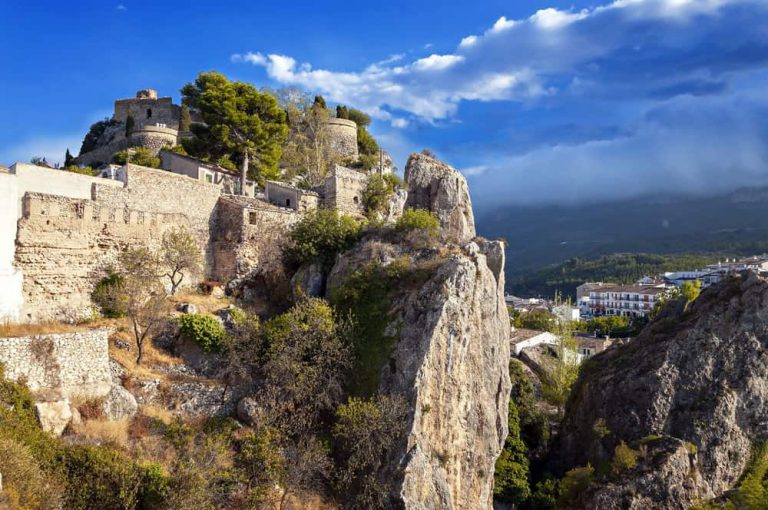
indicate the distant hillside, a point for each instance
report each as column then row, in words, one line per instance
column 539, row 236
column 619, row 268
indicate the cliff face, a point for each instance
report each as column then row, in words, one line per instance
column 451, row 363
column 451, row 349
column 699, row 376
column 439, row 188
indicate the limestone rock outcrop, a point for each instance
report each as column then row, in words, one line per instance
column 54, row 416
column 439, row 188
column 451, row 363
column 698, row 375
column 119, row 404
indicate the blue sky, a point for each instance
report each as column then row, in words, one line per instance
column 537, row 102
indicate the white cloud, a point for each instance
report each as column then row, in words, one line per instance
column 544, row 55
column 121, row 7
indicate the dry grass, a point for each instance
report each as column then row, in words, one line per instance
column 204, row 303
column 152, row 356
column 104, row 431
column 12, row 329
column 157, row 413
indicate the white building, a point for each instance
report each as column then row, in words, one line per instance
column 523, row 338
column 625, row 300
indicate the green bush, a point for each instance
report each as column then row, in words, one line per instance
column 204, row 330
column 511, row 470
column 104, row 296
column 100, row 477
column 624, row 458
column 137, row 156
column 418, row 219
column 545, row 495
column 574, row 484
column 25, row 484
column 322, row 234
column 75, row 169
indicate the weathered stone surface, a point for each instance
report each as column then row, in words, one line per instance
column 64, row 364
column 54, row 416
column 451, row 363
column 308, row 281
column 700, row 376
column 395, row 206
column 439, row 188
column 119, row 404
column 665, row 478
column 190, row 308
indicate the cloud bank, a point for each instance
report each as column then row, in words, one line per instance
column 626, row 98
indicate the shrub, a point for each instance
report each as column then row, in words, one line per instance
column 112, row 480
column 25, row 484
column 418, row 219
column 322, row 234
column 511, row 470
column 75, row 169
column 137, row 156
column 104, row 296
column 204, row 330
column 545, row 495
column 624, row 458
column 574, row 483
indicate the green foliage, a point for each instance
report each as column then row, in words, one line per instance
column 367, row 294
column 366, row 143
column 378, row 192
column 261, row 461
column 534, row 427
column 130, row 124
column 752, row 493
column 185, row 121
column 545, row 495
column 319, row 102
column 104, row 296
column 608, row 324
column 306, row 358
column 342, row 112
column 418, row 219
column 94, row 133
column 69, row 160
column 573, row 485
column 559, row 381
column 600, row 428
column 154, row 485
column 511, row 471
column 179, row 255
column 112, row 480
column 624, row 458
column 204, row 330
column 690, row 291
column 365, row 433
column 358, row 117
column 321, row 235
column 25, row 483
column 618, row 268
column 539, row 320
column 76, row 169
column 138, row 156
column 239, row 121
column 177, row 149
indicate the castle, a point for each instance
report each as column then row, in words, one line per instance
column 61, row 232
column 157, row 123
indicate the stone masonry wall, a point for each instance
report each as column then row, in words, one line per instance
column 344, row 190
column 64, row 246
column 343, row 136
column 62, row 365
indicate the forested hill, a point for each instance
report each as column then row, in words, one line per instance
column 619, row 268
column 540, row 238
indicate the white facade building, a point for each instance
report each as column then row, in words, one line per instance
column 625, row 300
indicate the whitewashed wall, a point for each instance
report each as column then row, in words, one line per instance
column 10, row 278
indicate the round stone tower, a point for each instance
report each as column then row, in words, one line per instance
column 343, row 136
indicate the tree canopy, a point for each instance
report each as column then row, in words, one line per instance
column 239, row 122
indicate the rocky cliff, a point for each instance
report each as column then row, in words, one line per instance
column 439, row 188
column 696, row 378
column 451, row 363
column 451, row 348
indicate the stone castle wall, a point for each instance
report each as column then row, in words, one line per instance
column 343, row 135
column 162, row 111
column 249, row 237
column 344, row 190
column 64, row 245
column 153, row 138
column 66, row 364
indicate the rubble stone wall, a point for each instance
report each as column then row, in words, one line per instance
column 63, row 365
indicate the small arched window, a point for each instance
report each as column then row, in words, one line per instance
column 356, row 200
column 149, row 113
column 287, row 202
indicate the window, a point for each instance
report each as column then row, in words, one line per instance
column 356, row 200
column 252, row 218
column 149, row 113
column 287, row 202
column 209, row 178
